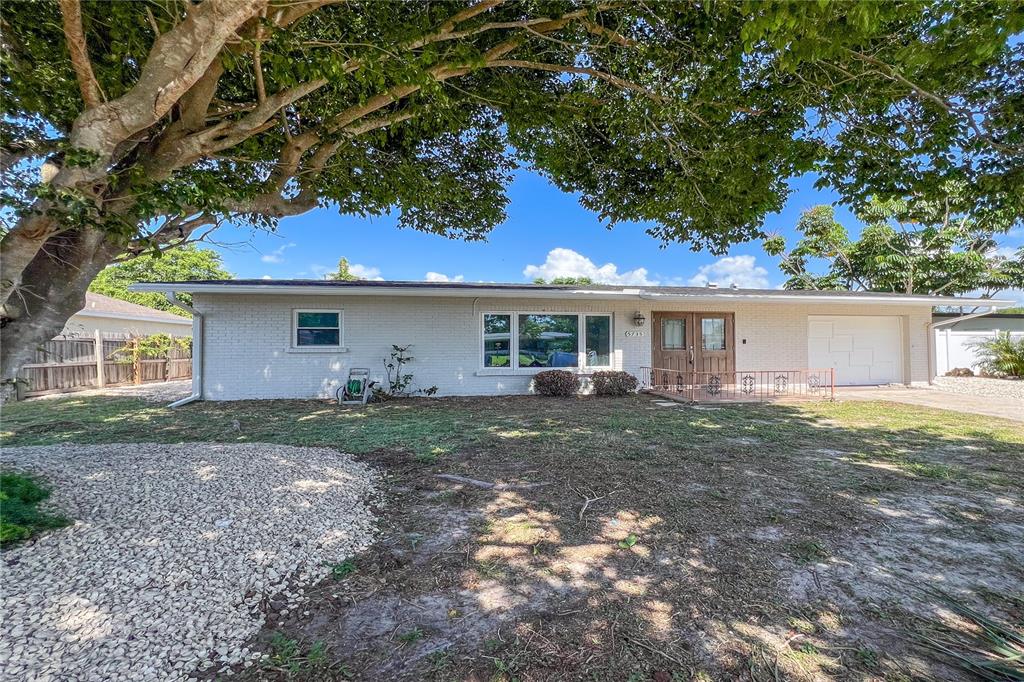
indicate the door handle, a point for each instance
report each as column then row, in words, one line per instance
column 691, row 354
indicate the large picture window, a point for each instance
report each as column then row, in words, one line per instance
column 317, row 328
column 549, row 340
column 546, row 340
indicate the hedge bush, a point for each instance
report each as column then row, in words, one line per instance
column 613, row 383
column 556, row 382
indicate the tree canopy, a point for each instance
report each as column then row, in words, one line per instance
column 153, row 122
column 186, row 263
column 918, row 247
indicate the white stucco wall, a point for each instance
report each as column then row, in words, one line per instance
column 248, row 350
column 85, row 326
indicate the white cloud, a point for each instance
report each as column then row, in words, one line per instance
column 441, row 277
column 568, row 263
column 365, row 272
column 742, row 271
column 277, row 255
column 266, row 277
column 360, row 271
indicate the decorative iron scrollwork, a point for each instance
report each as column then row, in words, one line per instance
column 679, row 383
column 714, row 386
column 781, row 383
column 747, row 384
column 814, row 383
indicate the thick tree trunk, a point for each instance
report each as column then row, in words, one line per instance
column 53, row 287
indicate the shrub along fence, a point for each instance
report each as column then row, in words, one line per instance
column 65, row 365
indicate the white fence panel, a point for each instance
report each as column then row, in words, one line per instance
column 953, row 349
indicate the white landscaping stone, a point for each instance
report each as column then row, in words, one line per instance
column 147, row 579
column 983, row 386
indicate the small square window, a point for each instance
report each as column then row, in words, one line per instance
column 317, row 328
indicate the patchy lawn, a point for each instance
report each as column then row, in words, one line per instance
column 763, row 542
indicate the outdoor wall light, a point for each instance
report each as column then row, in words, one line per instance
column 639, row 319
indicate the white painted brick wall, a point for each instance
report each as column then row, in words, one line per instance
column 248, row 351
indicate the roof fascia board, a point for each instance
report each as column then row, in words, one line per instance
column 714, row 295
column 389, row 291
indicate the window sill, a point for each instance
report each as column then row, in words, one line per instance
column 316, row 349
column 529, row 372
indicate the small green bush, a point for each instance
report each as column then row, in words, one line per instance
column 556, row 382
column 1001, row 355
column 613, row 383
column 20, row 517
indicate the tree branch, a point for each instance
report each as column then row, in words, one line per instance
column 621, row 83
column 71, row 14
column 950, row 109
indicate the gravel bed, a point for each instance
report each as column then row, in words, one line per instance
column 983, row 386
column 174, row 552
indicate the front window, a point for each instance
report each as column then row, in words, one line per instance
column 546, row 340
column 317, row 328
column 599, row 341
column 497, row 340
column 549, row 340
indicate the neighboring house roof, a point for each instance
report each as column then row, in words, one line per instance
column 98, row 305
column 588, row 291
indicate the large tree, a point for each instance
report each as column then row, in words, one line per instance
column 915, row 247
column 130, row 126
column 185, row 263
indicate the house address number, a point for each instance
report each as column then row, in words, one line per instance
column 634, row 332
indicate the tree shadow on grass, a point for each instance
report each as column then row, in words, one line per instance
column 755, row 541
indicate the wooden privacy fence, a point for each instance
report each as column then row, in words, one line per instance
column 65, row 365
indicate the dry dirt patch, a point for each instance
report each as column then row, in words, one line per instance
column 670, row 544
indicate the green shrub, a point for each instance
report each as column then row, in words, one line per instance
column 556, row 382
column 20, row 517
column 1001, row 355
column 613, row 383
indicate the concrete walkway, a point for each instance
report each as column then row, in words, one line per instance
column 1007, row 408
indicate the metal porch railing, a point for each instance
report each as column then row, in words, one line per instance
column 743, row 386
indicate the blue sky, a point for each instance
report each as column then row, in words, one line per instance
column 547, row 234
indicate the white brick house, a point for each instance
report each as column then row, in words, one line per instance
column 299, row 338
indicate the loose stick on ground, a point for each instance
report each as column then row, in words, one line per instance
column 491, row 486
column 587, row 501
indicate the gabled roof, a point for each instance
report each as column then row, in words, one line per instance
column 563, row 291
column 98, row 305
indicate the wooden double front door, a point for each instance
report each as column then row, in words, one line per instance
column 694, row 343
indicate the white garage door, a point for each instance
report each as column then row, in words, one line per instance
column 863, row 349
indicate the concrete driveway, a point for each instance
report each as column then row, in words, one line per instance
column 1007, row 408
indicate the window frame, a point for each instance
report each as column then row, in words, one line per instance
column 581, row 342
column 317, row 347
